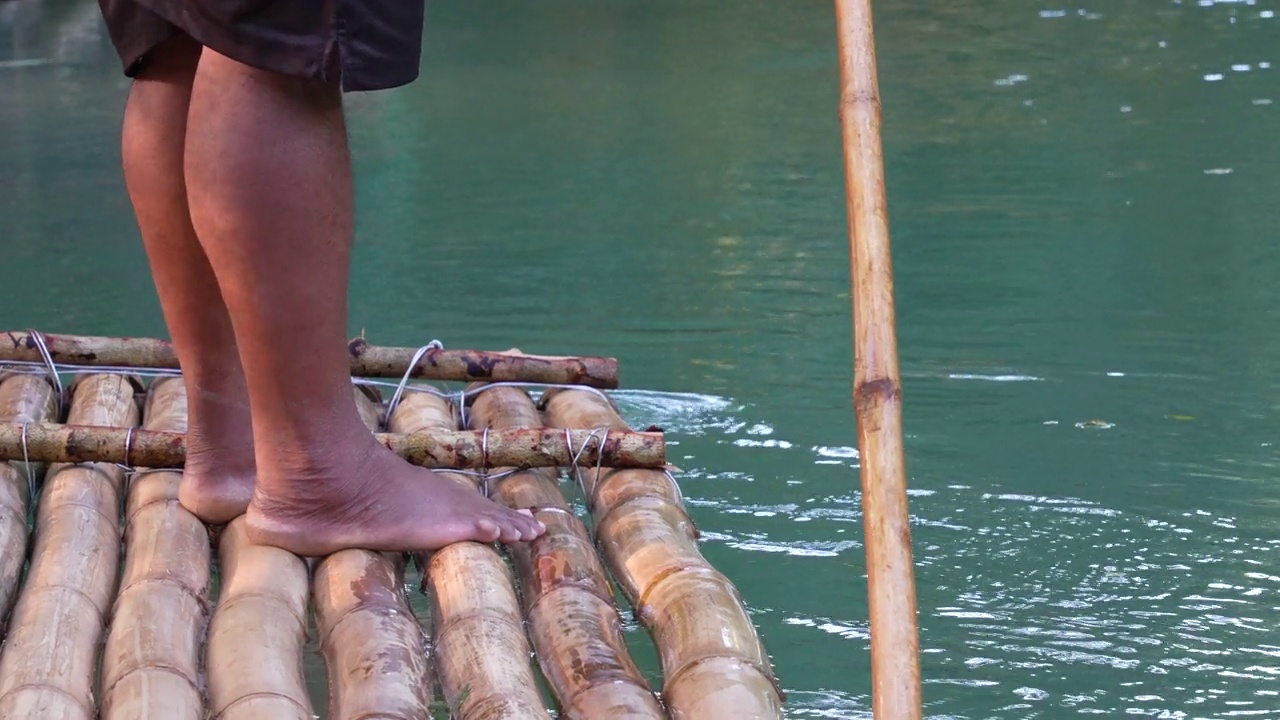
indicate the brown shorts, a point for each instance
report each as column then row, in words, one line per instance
column 366, row 44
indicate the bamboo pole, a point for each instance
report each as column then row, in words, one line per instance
column 575, row 627
column 481, row 652
column 521, row 447
column 366, row 360
column 374, row 651
column 47, row 664
column 23, row 399
column 373, row 361
column 713, row 663
column 151, row 661
column 369, row 407
column 877, row 388
column 258, row 630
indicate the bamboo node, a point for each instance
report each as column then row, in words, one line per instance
column 161, row 668
column 693, row 667
column 168, row 582
column 171, row 502
column 45, row 687
column 859, row 96
column 243, row 700
column 876, row 391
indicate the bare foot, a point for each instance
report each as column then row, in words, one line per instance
column 367, row 497
column 218, row 478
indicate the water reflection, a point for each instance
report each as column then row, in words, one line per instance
column 1051, row 600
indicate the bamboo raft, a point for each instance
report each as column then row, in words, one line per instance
column 130, row 607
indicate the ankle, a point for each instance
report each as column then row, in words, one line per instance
column 300, row 459
column 217, row 393
column 217, row 406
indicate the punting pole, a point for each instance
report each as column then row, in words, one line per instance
column 877, row 390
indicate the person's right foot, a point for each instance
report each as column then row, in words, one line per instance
column 358, row 494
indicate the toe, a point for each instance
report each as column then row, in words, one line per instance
column 517, row 526
column 536, row 529
column 487, row 530
column 530, row 527
column 511, row 533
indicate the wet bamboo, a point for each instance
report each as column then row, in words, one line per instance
column 713, row 663
column 48, row 661
column 51, row 442
column 481, row 651
column 258, row 630
column 151, row 661
column 568, row 603
column 23, row 399
column 374, row 651
column 366, row 360
column 877, row 388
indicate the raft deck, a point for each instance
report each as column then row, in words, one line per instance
column 130, row 607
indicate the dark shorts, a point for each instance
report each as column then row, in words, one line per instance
column 366, row 44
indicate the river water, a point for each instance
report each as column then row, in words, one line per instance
column 1085, row 231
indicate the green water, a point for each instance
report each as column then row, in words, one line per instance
column 1085, row 228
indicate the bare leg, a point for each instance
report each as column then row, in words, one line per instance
column 218, row 479
column 269, row 177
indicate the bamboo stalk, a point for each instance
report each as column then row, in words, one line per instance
column 877, row 388
column 713, row 663
column 481, row 652
column 374, row 651
column 23, row 399
column 524, row 447
column 47, row 664
column 575, row 627
column 373, row 361
column 151, row 661
column 369, row 406
column 257, row 633
column 366, row 360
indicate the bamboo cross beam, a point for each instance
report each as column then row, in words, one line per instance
column 877, row 392
column 366, row 360
column 460, row 450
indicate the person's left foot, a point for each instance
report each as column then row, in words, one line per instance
column 216, row 497
column 352, row 492
column 218, row 477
